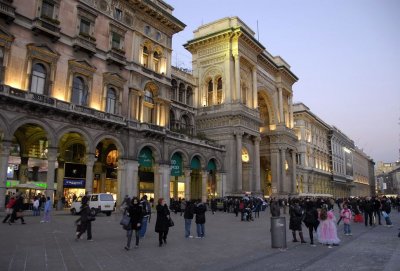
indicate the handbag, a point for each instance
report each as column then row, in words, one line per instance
column 126, row 220
column 9, row 211
column 384, row 214
column 19, row 214
column 170, row 222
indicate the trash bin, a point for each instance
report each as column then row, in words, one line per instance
column 278, row 232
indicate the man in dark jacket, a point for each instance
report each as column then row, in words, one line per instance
column 377, row 209
column 188, row 216
column 18, row 207
column 368, row 210
column 200, row 211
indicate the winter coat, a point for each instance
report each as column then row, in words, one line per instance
column 346, row 215
column 47, row 206
column 311, row 217
column 189, row 211
column 84, row 213
column 11, row 203
column 296, row 217
column 162, row 222
column 136, row 214
column 19, row 204
column 200, row 211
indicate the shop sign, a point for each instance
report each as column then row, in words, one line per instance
column 11, row 183
column 146, row 157
column 176, row 165
column 72, row 183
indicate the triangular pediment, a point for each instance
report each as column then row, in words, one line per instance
column 42, row 47
column 4, row 32
column 83, row 63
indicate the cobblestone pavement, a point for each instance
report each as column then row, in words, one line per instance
column 229, row 245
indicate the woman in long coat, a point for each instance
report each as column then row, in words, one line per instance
column 296, row 218
column 162, row 222
column 136, row 214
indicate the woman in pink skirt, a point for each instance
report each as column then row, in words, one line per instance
column 327, row 231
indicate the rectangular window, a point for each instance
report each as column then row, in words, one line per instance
column 84, row 27
column 118, row 14
column 47, row 9
column 115, row 41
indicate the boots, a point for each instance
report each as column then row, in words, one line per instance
column 302, row 238
column 294, row 236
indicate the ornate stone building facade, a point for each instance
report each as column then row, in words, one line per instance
column 86, row 101
column 244, row 102
column 314, row 174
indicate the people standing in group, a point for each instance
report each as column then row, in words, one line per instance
column 311, row 219
column 136, row 213
column 188, row 216
column 146, row 215
column 18, row 209
column 327, row 231
column 200, row 211
column 162, row 221
column 296, row 213
column 36, row 206
column 346, row 215
column 85, row 220
column 47, row 210
column 9, row 209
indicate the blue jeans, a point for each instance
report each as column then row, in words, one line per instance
column 188, row 224
column 200, row 230
column 143, row 228
column 347, row 229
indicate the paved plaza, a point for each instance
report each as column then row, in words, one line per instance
column 229, row 245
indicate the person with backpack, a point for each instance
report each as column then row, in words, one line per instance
column 311, row 219
column 296, row 213
column 135, row 211
column 346, row 215
column 146, row 215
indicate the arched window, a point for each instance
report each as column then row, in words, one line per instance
column 210, row 93
column 174, row 89
column 219, row 91
column 148, row 96
column 79, row 91
column 156, row 61
column 38, row 82
column 111, row 101
column 189, row 96
column 182, row 93
column 145, row 56
column 186, row 127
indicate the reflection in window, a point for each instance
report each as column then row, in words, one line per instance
column 38, row 82
column 79, row 92
column 145, row 56
column 111, row 101
column 47, row 10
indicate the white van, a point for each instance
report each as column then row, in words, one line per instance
column 101, row 203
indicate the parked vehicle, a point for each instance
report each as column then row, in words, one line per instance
column 100, row 203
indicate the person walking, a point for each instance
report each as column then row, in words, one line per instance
column 136, row 214
column 377, row 206
column 200, row 211
column 368, row 210
column 146, row 216
column 188, row 216
column 47, row 210
column 85, row 220
column 346, row 215
column 9, row 209
column 327, row 231
column 296, row 217
column 386, row 209
column 162, row 221
column 18, row 209
column 35, row 206
column 311, row 220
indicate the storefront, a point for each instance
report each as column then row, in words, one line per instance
column 177, row 180
column 146, row 173
column 73, row 187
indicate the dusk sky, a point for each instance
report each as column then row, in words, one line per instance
column 346, row 55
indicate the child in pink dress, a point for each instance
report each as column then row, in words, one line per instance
column 327, row 231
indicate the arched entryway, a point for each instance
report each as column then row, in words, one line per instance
column 146, row 173
column 195, row 178
column 211, row 179
column 177, row 179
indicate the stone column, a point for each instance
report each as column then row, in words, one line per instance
column 239, row 181
column 283, row 171
column 257, row 186
column 282, row 120
column 23, row 169
column 51, row 166
column 166, row 182
column 204, row 176
column 237, row 77
column 291, row 120
column 187, row 173
column 60, row 177
column 90, row 159
column 276, row 171
column 121, row 176
column 5, row 148
column 223, row 184
column 255, row 96
column 130, row 182
column 294, row 181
